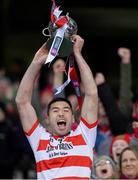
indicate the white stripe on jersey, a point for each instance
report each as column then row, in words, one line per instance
column 64, row 172
column 42, row 155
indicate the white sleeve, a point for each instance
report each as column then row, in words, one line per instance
column 34, row 134
column 89, row 132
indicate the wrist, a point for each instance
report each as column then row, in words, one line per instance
column 125, row 60
column 36, row 62
column 77, row 54
column 77, row 51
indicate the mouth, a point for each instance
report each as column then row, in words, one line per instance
column 117, row 154
column 104, row 171
column 61, row 124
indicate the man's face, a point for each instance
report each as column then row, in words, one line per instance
column 117, row 148
column 60, row 118
column 129, row 164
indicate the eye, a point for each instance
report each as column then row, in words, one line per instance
column 124, row 160
column 55, row 110
column 132, row 159
column 66, row 110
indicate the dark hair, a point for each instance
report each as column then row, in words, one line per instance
column 57, row 100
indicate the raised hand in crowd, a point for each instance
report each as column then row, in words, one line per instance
column 125, row 55
column 125, row 88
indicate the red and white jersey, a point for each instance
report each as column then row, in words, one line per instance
column 69, row 157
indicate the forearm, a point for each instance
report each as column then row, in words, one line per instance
column 125, row 89
column 90, row 102
column 24, row 93
column 86, row 75
column 118, row 122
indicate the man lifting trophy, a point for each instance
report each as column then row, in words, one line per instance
column 60, row 152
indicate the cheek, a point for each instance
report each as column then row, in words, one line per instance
column 110, row 169
column 124, row 170
column 47, row 121
column 136, row 165
column 97, row 171
column 137, row 170
column 51, row 118
column 69, row 116
column 122, row 147
column 113, row 150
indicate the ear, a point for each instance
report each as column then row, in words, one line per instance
column 73, row 118
column 47, row 119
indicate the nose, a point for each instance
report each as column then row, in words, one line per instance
column 61, row 114
column 128, row 163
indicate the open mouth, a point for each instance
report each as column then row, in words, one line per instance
column 61, row 124
column 104, row 171
column 117, row 154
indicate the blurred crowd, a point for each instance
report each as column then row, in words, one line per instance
column 116, row 148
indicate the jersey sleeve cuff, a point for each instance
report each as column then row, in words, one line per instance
column 32, row 128
column 89, row 125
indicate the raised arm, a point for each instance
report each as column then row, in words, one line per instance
column 24, row 95
column 117, row 120
column 90, row 103
column 125, row 81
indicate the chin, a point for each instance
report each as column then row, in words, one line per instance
column 64, row 133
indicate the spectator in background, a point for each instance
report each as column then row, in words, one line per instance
column 135, row 106
column 125, row 89
column 134, row 140
column 104, row 168
column 112, row 121
column 2, row 71
column 129, row 163
column 8, row 146
column 118, row 144
column 16, row 70
column 118, row 121
column 123, row 112
column 11, row 132
column 118, row 116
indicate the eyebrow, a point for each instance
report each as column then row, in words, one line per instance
column 59, row 108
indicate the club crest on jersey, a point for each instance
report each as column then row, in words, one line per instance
column 58, row 144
